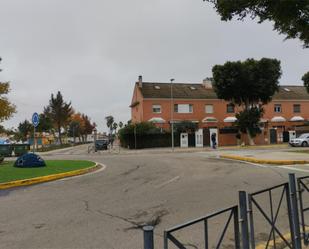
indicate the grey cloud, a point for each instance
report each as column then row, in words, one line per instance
column 94, row 50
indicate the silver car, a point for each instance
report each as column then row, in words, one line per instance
column 302, row 140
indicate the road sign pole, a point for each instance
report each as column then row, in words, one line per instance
column 33, row 139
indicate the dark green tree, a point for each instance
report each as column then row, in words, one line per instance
column 305, row 79
column 45, row 124
column 249, row 84
column 59, row 112
column 185, row 126
column 24, row 128
column 249, row 120
column 290, row 17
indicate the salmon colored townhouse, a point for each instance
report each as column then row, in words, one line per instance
column 163, row 103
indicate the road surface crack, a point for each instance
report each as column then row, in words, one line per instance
column 154, row 220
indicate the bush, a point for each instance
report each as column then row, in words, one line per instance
column 145, row 135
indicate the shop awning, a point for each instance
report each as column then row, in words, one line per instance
column 230, row 120
column 157, row 120
column 263, row 120
column 297, row 118
column 278, row 119
column 209, row 120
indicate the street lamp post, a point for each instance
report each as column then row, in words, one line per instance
column 95, row 138
column 172, row 114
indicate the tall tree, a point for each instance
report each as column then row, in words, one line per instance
column 305, row 79
column 88, row 126
column 290, row 17
column 59, row 112
column 250, row 85
column 109, row 123
column 45, row 124
column 24, row 129
column 115, row 126
column 7, row 109
column 76, row 126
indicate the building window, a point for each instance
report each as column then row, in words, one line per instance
column 230, row 108
column 183, row 108
column 296, row 108
column 209, row 109
column 277, row 108
column 156, row 108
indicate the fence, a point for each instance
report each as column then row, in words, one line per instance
column 260, row 206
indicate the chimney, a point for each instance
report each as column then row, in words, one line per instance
column 140, row 81
column 207, row 83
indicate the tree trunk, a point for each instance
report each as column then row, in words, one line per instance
column 250, row 138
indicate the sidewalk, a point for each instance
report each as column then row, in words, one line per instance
column 281, row 157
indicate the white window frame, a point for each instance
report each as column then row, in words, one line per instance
column 207, row 110
column 183, row 108
column 156, row 106
column 277, row 108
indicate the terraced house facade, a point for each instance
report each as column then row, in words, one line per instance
column 163, row 103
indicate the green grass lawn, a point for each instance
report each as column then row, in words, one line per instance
column 9, row 173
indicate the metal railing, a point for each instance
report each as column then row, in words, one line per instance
column 273, row 217
column 302, row 190
column 232, row 214
column 243, row 216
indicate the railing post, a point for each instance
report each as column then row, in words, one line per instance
column 148, row 237
column 243, row 219
column 294, row 211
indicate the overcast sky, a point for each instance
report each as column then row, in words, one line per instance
column 94, row 50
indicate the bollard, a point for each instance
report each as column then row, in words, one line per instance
column 243, row 219
column 148, row 237
column 295, row 216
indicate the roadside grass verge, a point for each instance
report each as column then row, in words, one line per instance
column 10, row 173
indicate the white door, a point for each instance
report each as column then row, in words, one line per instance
column 199, row 138
column 211, row 131
column 292, row 135
column 184, row 140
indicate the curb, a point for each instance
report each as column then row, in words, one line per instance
column 264, row 161
column 41, row 179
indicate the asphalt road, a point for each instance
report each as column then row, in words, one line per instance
column 107, row 209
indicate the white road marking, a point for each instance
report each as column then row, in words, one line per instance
column 234, row 160
column 293, row 168
column 168, row 182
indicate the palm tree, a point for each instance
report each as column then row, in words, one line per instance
column 59, row 112
column 120, row 124
column 115, row 126
column 109, row 123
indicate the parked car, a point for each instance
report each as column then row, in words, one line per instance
column 302, row 140
column 101, row 144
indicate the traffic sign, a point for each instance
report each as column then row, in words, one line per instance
column 35, row 119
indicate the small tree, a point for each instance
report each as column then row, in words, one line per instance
column 59, row 112
column 185, row 126
column 250, row 85
column 305, row 79
column 24, row 129
column 88, row 126
column 120, row 124
column 45, row 124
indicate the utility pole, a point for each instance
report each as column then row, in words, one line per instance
column 172, row 114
